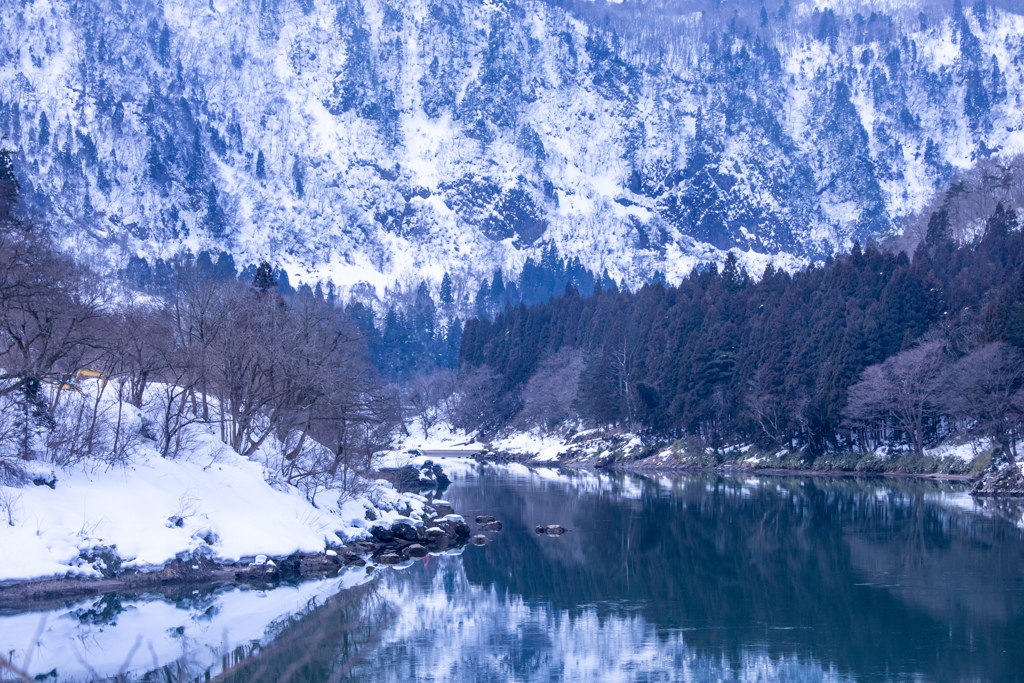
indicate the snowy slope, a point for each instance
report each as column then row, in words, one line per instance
column 208, row 501
column 381, row 142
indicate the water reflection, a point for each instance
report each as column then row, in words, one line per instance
column 660, row 579
column 468, row 632
column 874, row 578
column 185, row 636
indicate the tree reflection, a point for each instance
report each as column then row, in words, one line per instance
column 319, row 645
column 871, row 576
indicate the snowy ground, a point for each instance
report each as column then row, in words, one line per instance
column 966, row 450
column 441, row 437
column 218, row 495
column 150, row 510
column 537, row 447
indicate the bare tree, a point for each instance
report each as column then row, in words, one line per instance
column 903, row 391
column 428, row 397
column 11, row 470
column 174, row 406
column 767, row 409
column 986, row 387
column 476, row 403
column 249, row 369
column 622, row 366
column 199, row 314
column 49, row 307
column 138, row 332
column 49, row 310
column 356, row 420
column 549, row 395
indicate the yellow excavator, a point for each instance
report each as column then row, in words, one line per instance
column 73, row 382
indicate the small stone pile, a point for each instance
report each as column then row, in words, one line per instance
column 404, row 541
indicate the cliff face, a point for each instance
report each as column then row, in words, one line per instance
column 381, row 141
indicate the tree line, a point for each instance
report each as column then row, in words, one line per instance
column 872, row 349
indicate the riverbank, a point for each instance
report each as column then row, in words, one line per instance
column 625, row 451
column 207, row 516
column 396, row 544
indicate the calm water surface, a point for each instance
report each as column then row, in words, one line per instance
column 699, row 578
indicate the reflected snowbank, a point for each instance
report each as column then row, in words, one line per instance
column 111, row 635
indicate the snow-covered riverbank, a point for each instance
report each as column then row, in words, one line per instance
column 621, row 449
column 210, row 502
column 98, row 518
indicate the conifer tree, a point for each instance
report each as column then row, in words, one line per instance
column 300, row 189
column 9, row 188
column 447, row 298
column 204, row 264
column 284, row 285
column 261, row 166
column 480, row 302
column 225, row 267
column 264, row 280
column 44, row 130
column 497, row 288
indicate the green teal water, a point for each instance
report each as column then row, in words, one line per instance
column 709, row 578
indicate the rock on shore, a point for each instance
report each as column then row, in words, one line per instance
column 1008, row 481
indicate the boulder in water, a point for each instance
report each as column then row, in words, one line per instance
column 440, row 477
column 479, row 539
column 484, row 519
column 389, row 558
column 416, row 551
column 431, row 475
column 319, row 565
column 351, row 558
column 491, row 526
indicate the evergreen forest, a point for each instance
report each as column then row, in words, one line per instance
column 871, row 350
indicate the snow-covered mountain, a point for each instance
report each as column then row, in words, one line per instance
column 385, row 141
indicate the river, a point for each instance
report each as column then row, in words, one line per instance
column 697, row 577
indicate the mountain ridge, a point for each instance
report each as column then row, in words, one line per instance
column 374, row 143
